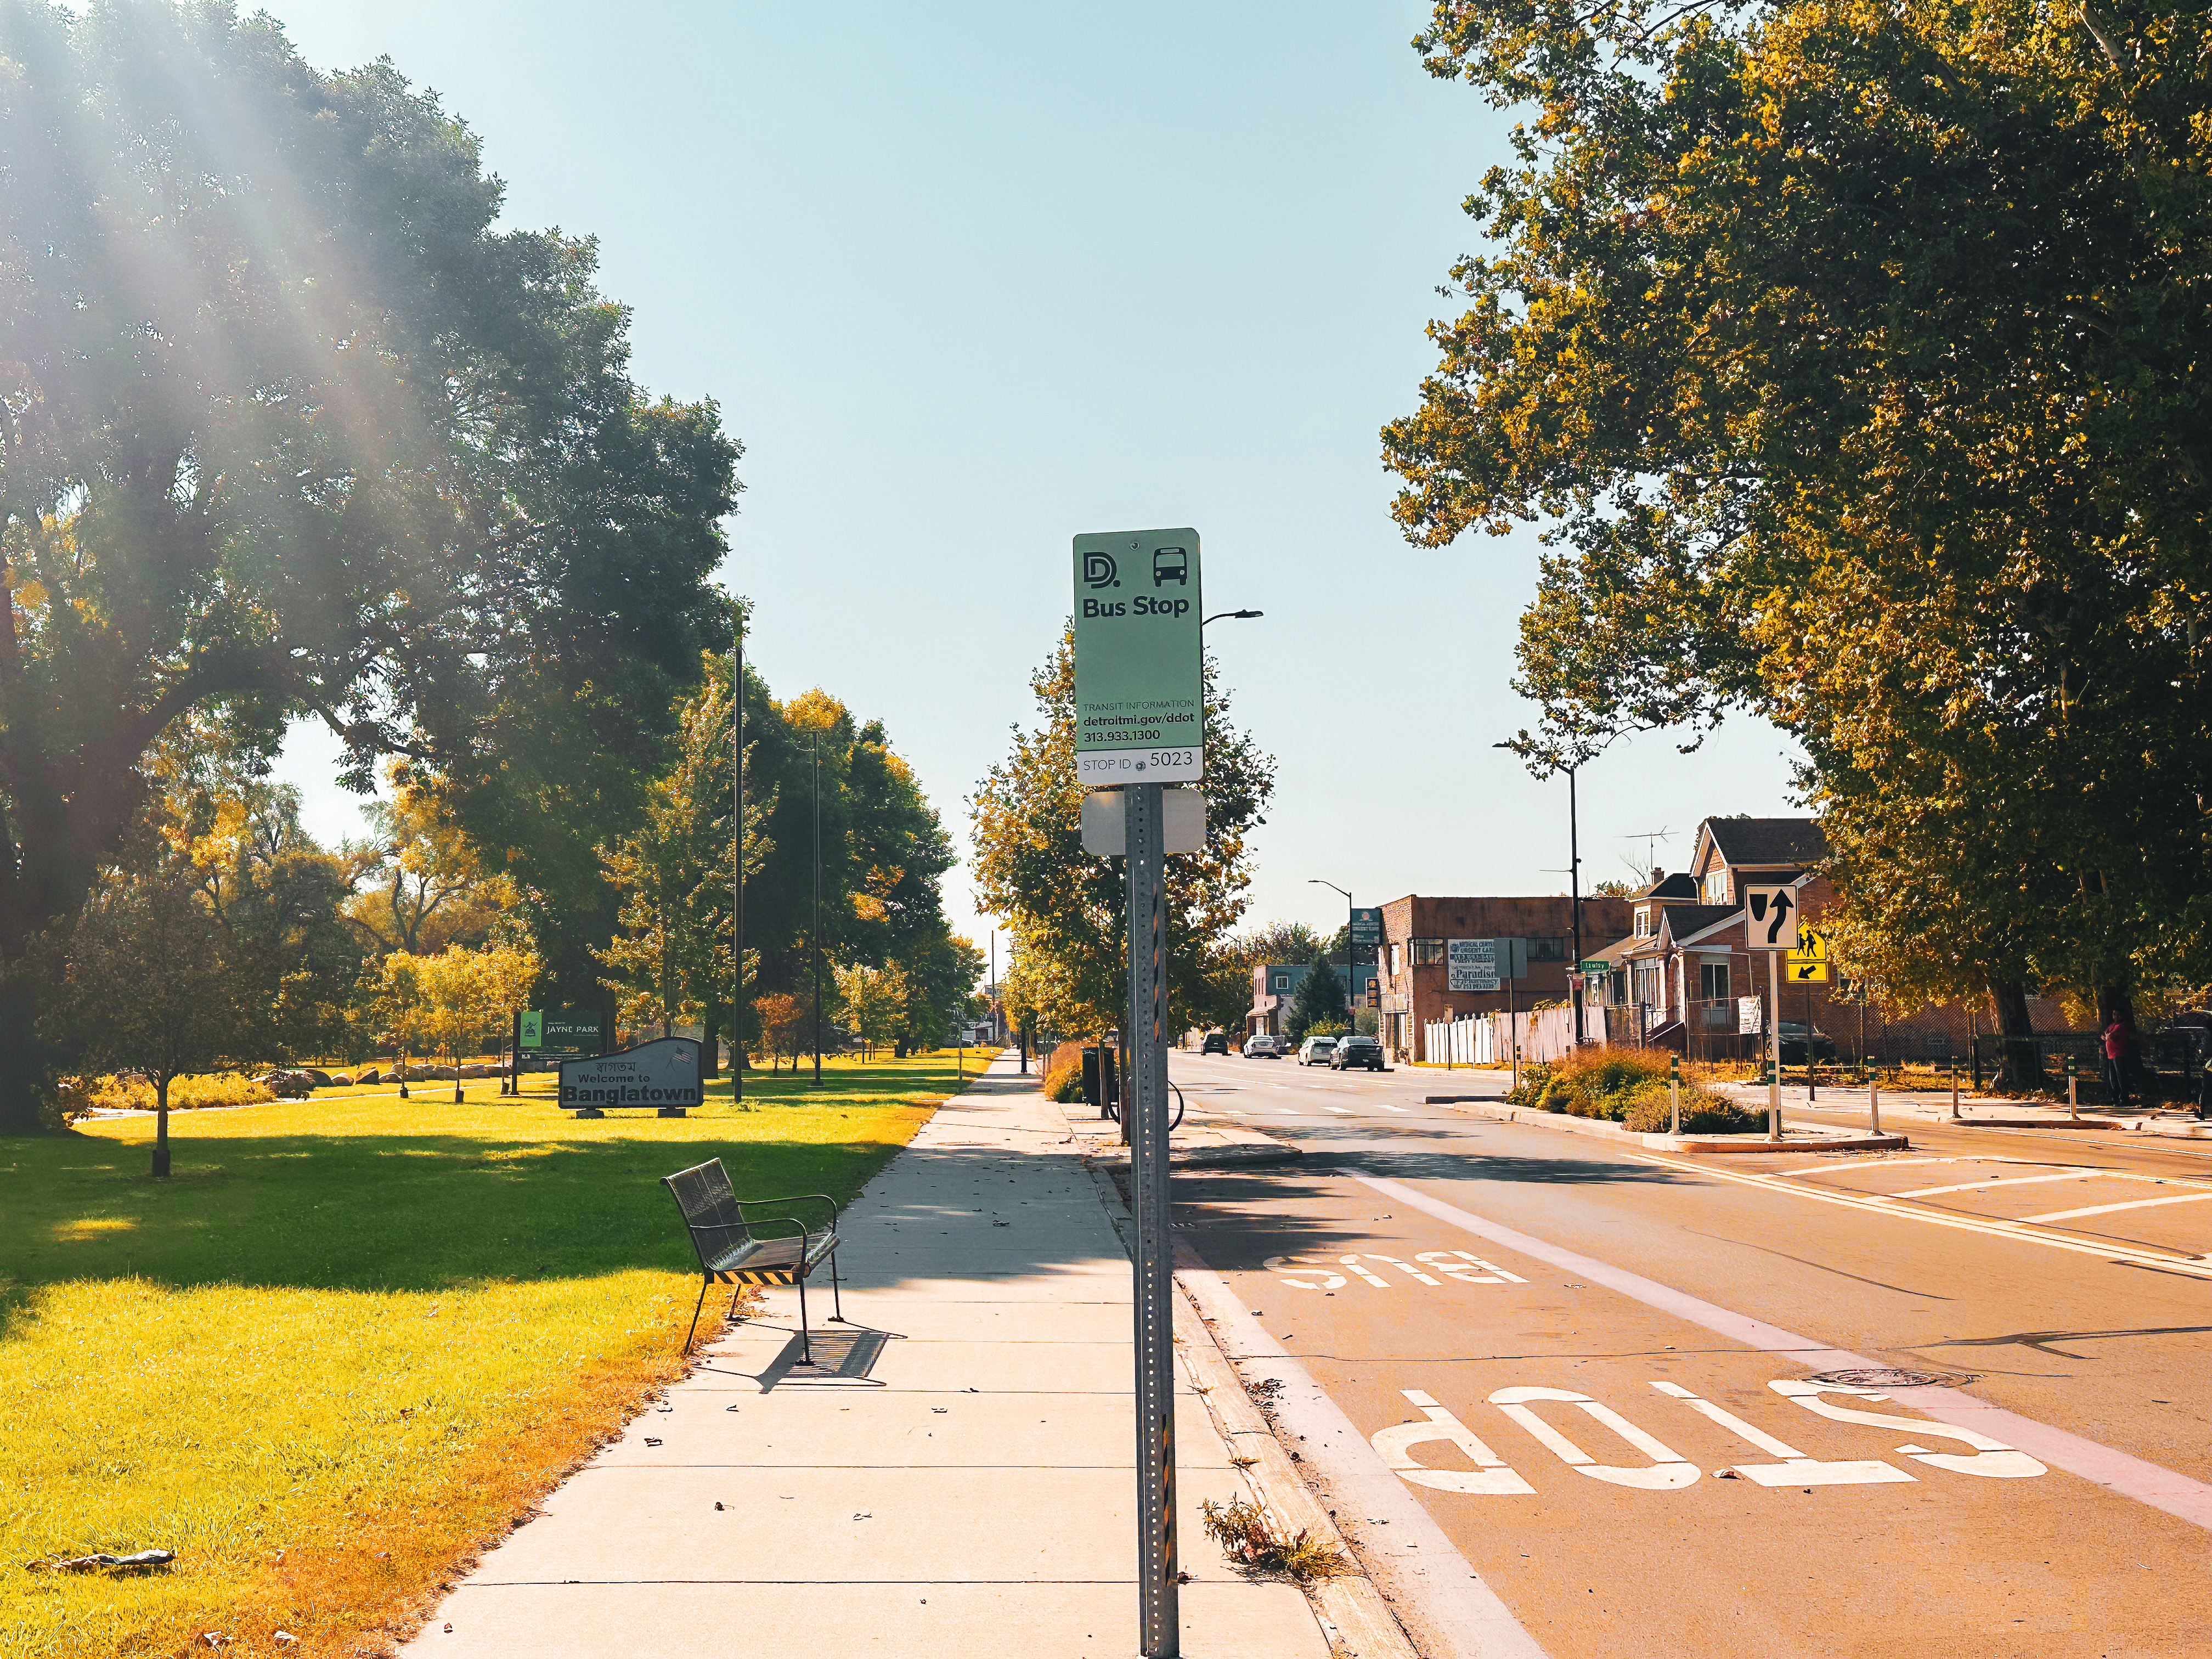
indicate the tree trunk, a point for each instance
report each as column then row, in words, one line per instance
column 2022, row 1067
column 710, row 1047
column 161, row 1123
column 21, row 1078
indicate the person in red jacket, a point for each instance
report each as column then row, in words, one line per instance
column 2115, row 1062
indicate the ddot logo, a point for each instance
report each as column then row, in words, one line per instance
column 1099, row 570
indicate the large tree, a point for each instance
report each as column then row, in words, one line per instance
column 1067, row 910
column 1850, row 355
column 287, row 427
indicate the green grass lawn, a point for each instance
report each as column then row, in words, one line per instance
column 349, row 1341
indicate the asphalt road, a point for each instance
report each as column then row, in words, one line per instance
column 1561, row 1345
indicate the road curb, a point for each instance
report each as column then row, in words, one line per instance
column 1485, row 1106
column 1209, row 1157
column 1355, row 1620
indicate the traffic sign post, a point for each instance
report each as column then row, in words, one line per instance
column 1139, row 724
column 1771, row 923
column 1674, row 1091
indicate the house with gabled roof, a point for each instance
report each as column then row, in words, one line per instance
column 1680, row 978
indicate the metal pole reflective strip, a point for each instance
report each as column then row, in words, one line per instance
column 1144, row 1116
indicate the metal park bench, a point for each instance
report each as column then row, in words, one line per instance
column 732, row 1251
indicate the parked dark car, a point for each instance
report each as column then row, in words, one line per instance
column 1215, row 1043
column 1792, row 1033
column 1353, row 1051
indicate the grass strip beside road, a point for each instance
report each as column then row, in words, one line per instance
column 348, row 1343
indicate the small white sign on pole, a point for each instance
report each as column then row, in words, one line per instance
column 1106, row 818
column 1750, row 1016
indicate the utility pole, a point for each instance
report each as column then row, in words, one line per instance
column 737, row 1002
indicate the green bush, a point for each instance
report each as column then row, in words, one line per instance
column 1703, row 1114
column 1534, row 1077
column 1602, row 1082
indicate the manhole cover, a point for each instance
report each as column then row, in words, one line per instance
column 1886, row 1377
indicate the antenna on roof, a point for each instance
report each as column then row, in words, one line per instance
column 1650, row 838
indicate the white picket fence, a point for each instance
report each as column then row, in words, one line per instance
column 1488, row 1039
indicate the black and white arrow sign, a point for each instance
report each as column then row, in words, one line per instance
column 1771, row 916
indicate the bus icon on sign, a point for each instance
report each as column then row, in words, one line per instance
column 1170, row 564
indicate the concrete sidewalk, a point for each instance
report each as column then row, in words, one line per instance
column 959, row 1478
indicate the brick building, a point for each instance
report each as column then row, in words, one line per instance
column 1415, row 932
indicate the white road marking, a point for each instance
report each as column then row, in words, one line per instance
column 1991, row 1458
column 1993, row 1227
column 2177, row 1494
column 1669, row 1470
column 1489, row 1477
column 1903, row 1162
column 2106, row 1209
column 1997, row 1180
column 1795, row 1469
column 1387, row 1107
column 1341, row 1111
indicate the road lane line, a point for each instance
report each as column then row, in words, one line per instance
column 1438, row 1593
column 1995, row 1180
column 2105, row 1466
column 2106, row 1209
column 1992, row 1226
column 1387, row 1107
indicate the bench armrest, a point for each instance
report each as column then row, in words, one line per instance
column 745, row 1204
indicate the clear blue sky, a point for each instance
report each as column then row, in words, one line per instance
column 967, row 279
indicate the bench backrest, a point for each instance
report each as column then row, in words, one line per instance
column 703, row 1192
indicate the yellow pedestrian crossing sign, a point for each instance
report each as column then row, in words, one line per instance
column 1809, row 962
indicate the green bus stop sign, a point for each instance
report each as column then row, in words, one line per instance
column 1139, row 687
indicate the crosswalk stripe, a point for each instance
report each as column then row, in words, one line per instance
column 2106, row 1209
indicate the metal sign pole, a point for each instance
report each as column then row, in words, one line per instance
column 1144, row 1113
column 1774, row 1045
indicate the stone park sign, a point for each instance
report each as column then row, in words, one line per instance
column 664, row 1074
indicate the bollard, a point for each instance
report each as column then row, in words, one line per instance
column 1874, row 1097
column 2073, row 1081
column 1674, row 1090
column 1951, row 1065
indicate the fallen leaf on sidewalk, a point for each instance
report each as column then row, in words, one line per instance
column 865, row 1515
column 650, row 1441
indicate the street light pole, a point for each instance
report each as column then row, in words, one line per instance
column 738, row 864
column 1574, row 884
column 1351, row 1018
column 1575, row 899
column 818, row 910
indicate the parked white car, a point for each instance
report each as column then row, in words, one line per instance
column 1316, row 1051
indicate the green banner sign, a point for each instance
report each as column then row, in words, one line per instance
column 1140, row 688
column 1366, row 924
column 567, row 1030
